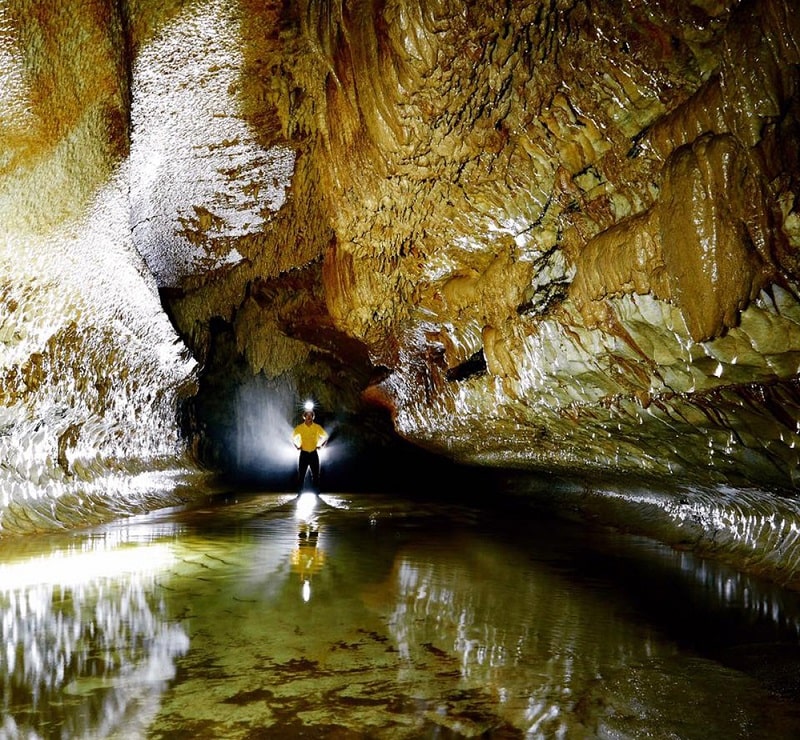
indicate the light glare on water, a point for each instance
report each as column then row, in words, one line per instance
column 370, row 616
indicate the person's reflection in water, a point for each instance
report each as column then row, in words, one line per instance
column 307, row 557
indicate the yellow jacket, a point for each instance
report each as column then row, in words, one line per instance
column 309, row 436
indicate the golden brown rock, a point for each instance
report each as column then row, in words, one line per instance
column 556, row 236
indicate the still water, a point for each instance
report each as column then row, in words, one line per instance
column 267, row 615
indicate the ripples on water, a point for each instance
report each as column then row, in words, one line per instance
column 371, row 616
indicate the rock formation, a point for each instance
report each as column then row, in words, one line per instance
column 552, row 235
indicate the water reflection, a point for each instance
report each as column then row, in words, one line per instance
column 736, row 593
column 366, row 616
column 563, row 659
column 308, row 557
column 87, row 645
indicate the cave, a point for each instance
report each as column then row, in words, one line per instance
column 548, row 246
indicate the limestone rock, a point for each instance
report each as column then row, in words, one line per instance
column 556, row 236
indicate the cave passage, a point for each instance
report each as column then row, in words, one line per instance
column 385, row 616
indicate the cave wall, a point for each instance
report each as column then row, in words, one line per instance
column 621, row 243
column 91, row 371
column 549, row 235
column 566, row 233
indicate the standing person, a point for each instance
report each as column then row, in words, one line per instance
column 308, row 437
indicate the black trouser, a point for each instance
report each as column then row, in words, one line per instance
column 308, row 460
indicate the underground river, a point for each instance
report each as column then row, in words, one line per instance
column 347, row 616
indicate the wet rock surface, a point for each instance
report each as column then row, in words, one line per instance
column 564, row 237
column 556, row 236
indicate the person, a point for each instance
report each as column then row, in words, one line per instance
column 308, row 437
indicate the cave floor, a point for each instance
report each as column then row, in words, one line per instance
column 346, row 616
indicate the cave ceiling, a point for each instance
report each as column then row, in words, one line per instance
column 567, row 232
column 557, row 235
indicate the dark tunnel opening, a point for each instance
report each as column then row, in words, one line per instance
column 239, row 426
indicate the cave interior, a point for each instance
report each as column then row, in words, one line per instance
column 555, row 238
